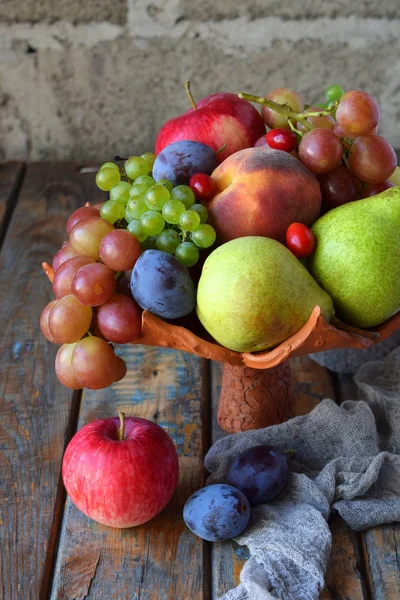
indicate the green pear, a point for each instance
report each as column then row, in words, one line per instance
column 357, row 258
column 254, row 293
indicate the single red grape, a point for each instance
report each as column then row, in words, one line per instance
column 338, row 187
column 282, row 139
column 321, row 150
column 203, row 186
column 81, row 213
column 372, row 189
column 357, row 112
column 283, row 96
column 120, row 319
column 300, row 240
column 119, row 250
column 372, row 158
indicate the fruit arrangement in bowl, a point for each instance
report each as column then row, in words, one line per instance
column 236, row 244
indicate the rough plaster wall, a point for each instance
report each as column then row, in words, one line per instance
column 87, row 80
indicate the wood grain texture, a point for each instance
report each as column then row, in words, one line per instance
column 310, row 384
column 161, row 559
column 11, row 176
column 35, row 409
column 380, row 545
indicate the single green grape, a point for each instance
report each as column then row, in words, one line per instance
column 145, row 180
column 172, row 211
column 187, row 253
column 112, row 211
column 184, row 194
column 152, row 222
column 156, row 197
column 138, row 189
column 106, row 178
column 150, row 157
column 168, row 240
column 136, row 166
column 120, row 192
column 201, row 211
column 135, row 208
column 135, row 228
column 112, row 165
column 190, row 220
column 150, row 243
column 333, row 93
column 204, row 236
column 166, row 183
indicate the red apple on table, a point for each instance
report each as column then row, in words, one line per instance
column 120, row 472
column 260, row 192
column 217, row 120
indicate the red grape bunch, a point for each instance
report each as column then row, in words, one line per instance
column 336, row 140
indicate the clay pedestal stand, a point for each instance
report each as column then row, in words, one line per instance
column 255, row 389
column 252, row 398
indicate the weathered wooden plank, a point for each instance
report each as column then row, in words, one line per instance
column 310, row 384
column 161, row 559
column 11, row 176
column 343, row 577
column 35, row 410
column 380, row 545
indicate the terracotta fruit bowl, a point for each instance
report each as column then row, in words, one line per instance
column 255, row 389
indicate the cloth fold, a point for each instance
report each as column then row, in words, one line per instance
column 347, row 459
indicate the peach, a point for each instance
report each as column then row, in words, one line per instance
column 261, row 192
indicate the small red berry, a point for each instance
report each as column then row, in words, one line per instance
column 282, row 139
column 203, row 186
column 300, row 240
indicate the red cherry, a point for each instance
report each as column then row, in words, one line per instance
column 300, row 240
column 203, row 186
column 282, row 139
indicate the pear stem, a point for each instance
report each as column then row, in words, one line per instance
column 190, row 95
column 121, row 430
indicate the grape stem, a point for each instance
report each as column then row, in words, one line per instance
column 121, row 430
column 190, row 95
column 293, row 128
column 285, row 110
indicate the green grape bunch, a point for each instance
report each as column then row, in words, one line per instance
column 159, row 214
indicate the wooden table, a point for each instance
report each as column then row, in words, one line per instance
column 48, row 548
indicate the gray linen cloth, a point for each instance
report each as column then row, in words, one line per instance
column 347, row 459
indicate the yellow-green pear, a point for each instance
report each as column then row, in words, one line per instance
column 254, row 293
column 357, row 258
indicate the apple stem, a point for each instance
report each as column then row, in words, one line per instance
column 221, row 149
column 190, row 95
column 121, row 430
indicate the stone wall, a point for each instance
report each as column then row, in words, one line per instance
column 86, row 79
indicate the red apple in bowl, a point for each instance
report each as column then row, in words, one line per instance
column 120, row 472
column 218, row 120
